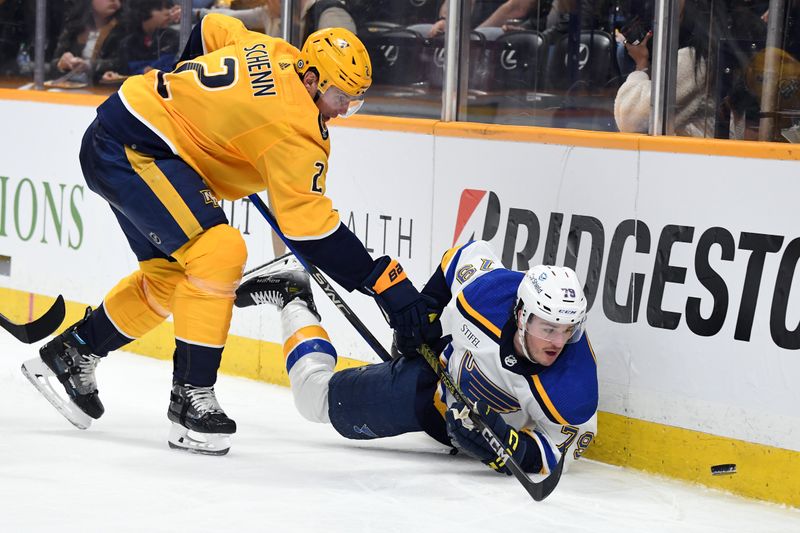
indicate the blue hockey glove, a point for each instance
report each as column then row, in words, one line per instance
column 404, row 307
column 465, row 436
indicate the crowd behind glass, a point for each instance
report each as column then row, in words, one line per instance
column 583, row 64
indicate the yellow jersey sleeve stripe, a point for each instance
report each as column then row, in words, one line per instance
column 477, row 316
column 145, row 167
column 546, row 399
column 448, row 256
column 591, row 350
column 303, row 334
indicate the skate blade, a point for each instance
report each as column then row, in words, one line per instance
column 289, row 262
column 181, row 438
column 40, row 377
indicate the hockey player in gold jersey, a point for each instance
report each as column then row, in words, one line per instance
column 240, row 113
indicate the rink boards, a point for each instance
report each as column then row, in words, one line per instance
column 687, row 249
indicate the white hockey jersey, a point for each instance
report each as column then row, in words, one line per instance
column 556, row 405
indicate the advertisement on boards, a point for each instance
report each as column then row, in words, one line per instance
column 688, row 266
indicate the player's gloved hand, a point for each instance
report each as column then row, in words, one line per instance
column 433, row 337
column 465, row 436
column 405, row 308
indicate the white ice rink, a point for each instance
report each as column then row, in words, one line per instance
column 284, row 474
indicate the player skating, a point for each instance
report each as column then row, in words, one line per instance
column 514, row 342
column 242, row 112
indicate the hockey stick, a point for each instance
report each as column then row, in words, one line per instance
column 40, row 328
column 538, row 491
column 322, row 282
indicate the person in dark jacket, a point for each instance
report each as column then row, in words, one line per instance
column 151, row 43
column 89, row 43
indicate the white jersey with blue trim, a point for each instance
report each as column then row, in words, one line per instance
column 556, row 405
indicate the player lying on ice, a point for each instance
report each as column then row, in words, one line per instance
column 514, row 342
column 241, row 113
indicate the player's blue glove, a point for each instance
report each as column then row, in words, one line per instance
column 404, row 307
column 465, row 436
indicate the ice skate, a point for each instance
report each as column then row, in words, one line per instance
column 68, row 359
column 278, row 284
column 199, row 424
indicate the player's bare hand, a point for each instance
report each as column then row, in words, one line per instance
column 70, row 62
column 639, row 52
column 437, row 28
column 175, row 14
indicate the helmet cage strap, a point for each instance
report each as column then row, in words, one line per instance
column 521, row 333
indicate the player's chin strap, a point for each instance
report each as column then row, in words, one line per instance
column 324, row 284
column 521, row 335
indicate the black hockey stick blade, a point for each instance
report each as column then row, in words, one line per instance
column 538, row 491
column 40, row 328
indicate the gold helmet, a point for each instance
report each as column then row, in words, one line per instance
column 340, row 59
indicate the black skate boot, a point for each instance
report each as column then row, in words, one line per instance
column 196, row 409
column 278, row 284
column 70, row 360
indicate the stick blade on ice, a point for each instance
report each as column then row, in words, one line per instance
column 40, row 328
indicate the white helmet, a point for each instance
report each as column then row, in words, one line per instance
column 554, row 294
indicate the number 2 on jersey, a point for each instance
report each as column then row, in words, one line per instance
column 210, row 82
column 316, row 186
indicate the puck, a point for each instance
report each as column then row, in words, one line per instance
column 721, row 470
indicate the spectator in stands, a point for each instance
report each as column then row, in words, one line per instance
column 258, row 15
column 89, row 42
column 526, row 14
column 634, row 18
column 151, row 43
column 318, row 14
column 694, row 107
column 400, row 12
column 314, row 15
column 487, row 13
column 12, row 34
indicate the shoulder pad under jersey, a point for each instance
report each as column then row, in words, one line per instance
column 488, row 302
column 567, row 391
column 461, row 264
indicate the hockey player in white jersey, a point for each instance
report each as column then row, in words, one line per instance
column 514, row 342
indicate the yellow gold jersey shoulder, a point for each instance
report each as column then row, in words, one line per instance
column 241, row 117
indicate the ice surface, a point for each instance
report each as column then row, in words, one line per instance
column 286, row 474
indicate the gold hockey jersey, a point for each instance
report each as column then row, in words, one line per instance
column 237, row 112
